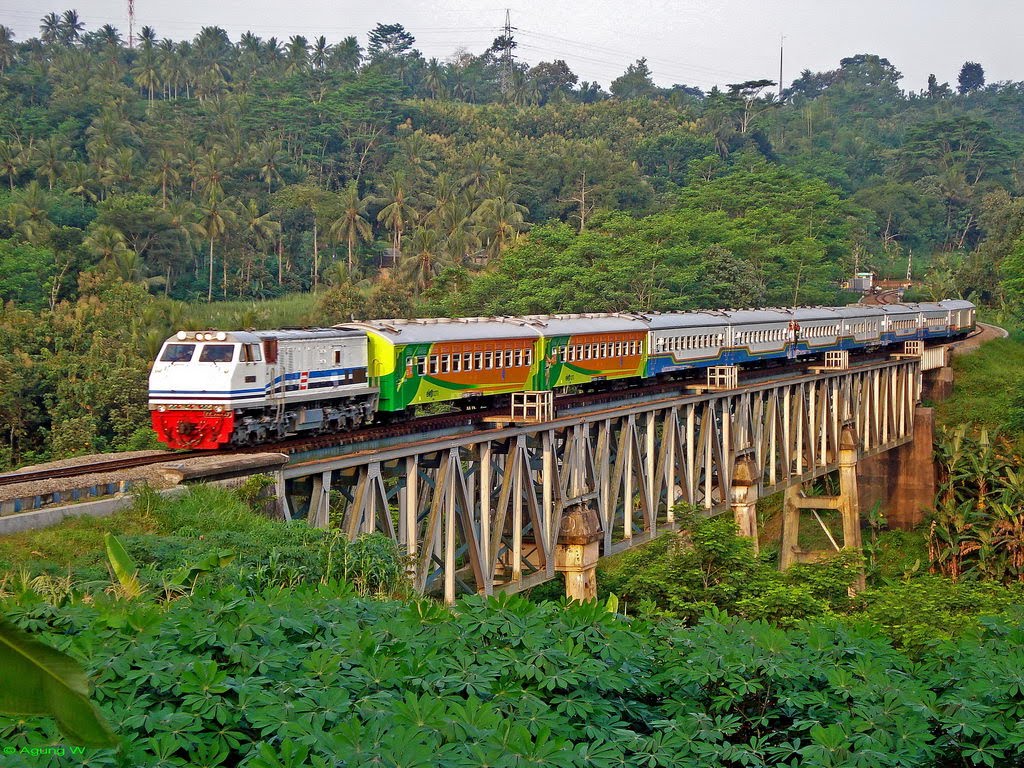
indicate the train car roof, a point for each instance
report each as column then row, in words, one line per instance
column 433, row 329
column 769, row 315
column 568, row 325
column 663, row 321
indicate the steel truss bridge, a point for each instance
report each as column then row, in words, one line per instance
column 504, row 509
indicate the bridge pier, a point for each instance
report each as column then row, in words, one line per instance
column 577, row 551
column 847, row 503
column 745, row 482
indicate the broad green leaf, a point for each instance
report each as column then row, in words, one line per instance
column 36, row 679
column 124, row 567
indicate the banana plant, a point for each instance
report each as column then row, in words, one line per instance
column 36, row 679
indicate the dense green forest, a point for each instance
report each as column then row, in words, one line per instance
column 138, row 184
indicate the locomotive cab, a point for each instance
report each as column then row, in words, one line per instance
column 197, row 383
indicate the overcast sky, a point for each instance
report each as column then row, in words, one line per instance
column 696, row 42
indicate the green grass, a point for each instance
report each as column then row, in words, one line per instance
column 295, row 309
column 989, row 387
column 78, row 541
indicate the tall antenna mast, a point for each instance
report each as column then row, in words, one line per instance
column 131, row 23
column 781, row 41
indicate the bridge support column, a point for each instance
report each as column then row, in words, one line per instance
column 847, row 504
column 744, row 498
column 577, row 551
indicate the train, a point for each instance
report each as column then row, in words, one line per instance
column 211, row 389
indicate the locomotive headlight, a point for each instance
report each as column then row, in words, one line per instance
column 182, row 335
column 221, row 335
column 161, row 408
column 218, row 409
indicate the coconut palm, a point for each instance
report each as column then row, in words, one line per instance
column 352, row 225
column 296, row 55
column 424, row 260
column 49, row 28
column 397, row 213
column 347, row 55
column 164, row 171
column 499, row 216
column 8, row 50
column 269, row 157
column 106, row 242
column 70, row 28
column 80, row 179
column 318, row 56
column 29, row 213
column 259, row 229
column 214, row 217
column 12, row 160
column 50, row 160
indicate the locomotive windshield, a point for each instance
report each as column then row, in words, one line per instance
column 178, row 353
column 217, row 353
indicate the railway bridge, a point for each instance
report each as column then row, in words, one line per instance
column 504, row 509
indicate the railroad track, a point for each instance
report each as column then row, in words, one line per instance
column 420, row 425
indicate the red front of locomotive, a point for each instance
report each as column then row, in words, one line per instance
column 193, row 429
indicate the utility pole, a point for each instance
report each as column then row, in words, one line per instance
column 782, row 40
column 131, row 23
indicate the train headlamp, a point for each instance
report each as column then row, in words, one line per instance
column 182, row 335
column 221, row 335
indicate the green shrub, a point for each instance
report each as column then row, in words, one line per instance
column 315, row 677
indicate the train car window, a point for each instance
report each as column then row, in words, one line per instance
column 518, row 358
column 251, row 353
column 488, row 360
column 528, row 356
column 446, row 363
column 178, row 353
column 456, row 363
column 421, row 364
column 433, row 363
column 217, row 353
column 467, row 361
column 478, row 361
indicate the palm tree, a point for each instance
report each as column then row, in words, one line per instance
column 147, row 38
column 397, row 214
column 212, row 173
column 29, row 213
column 12, row 160
column 424, row 260
column 8, row 50
column 51, row 160
column 434, row 78
column 70, row 28
column 259, row 229
column 500, row 217
column 297, row 55
column 319, row 53
column 106, row 242
column 147, row 72
column 49, row 28
column 164, row 171
column 352, row 225
column 119, row 170
column 80, row 179
column 214, row 217
column 347, row 55
column 269, row 157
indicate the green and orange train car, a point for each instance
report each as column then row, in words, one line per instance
column 414, row 362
